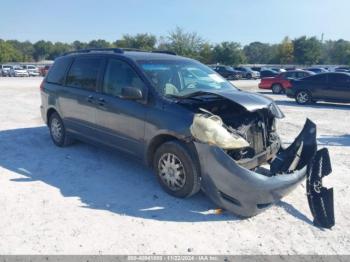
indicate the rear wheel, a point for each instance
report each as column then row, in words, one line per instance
column 58, row 131
column 176, row 169
column 276, row 89
column 303, row 97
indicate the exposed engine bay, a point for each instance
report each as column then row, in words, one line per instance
column 250, row 138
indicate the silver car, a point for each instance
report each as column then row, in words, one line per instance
column 32, row 70
column 18, row 71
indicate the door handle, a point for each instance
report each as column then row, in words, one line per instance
column 90, row 99
column 101, row 101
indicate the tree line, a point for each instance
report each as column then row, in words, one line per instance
column 302, row 50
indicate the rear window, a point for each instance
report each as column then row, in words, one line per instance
column 57, row 72
column 84, row 72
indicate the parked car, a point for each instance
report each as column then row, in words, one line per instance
column 345, row 69
column 18, row 71
column 5, row 70
column 202, row 135
column 278, row 69
column 228, row 72
column 268, row 73
column 331, row 87
column 43, row 70
column 257, row 68
column 32, row 70
column 279, row 83
column 317, row 70
column 247, row 72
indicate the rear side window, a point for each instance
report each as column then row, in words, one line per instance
column 58, row 70
column 322, row 78
column 84, row 72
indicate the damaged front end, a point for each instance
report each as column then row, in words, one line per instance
column 248, row 192
column 245, row 169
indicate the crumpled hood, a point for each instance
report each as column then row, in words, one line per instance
column 250, row 101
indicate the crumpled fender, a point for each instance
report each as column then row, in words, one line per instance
column 247, row 193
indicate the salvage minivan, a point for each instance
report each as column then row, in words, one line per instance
column 194, row 128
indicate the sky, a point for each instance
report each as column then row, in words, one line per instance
column 242, row 21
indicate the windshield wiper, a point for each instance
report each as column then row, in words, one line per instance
column 193, row 95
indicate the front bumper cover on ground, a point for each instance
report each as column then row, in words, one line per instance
column 247, row 193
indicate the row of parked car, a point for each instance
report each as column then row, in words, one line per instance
column 236, row 73
column 311, row 85
column 23, row 70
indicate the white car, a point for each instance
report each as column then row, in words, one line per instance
column 32, row 70
column 18, row 71
column 5, row 70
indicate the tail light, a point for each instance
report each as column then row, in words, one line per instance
column 42, row 86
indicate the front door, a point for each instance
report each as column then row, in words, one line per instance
column 121, row 121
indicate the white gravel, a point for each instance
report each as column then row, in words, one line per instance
column 88, row 200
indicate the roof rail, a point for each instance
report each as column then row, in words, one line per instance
column 164, row 52
column 115, row 50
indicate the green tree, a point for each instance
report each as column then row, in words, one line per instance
column 139, row 41
column 8, row 53
column 77, row 45
column 42, row 50
column 307, row 51
column 286, row 51
column 183, row 43
column 336, row 52
column 25, row 49
column 100, row 43
column 229, row 53
column 58, row 49
column 257, row 53
column 206, row 55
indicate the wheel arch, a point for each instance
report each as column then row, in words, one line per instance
column 160, row 139
column 49, row 112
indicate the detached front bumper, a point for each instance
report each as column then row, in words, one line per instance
column 247, row 193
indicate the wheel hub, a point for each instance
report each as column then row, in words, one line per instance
column 172, row 171
column 56, row 129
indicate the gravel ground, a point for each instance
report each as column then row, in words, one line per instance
column 88, row 200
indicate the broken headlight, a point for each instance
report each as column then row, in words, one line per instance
column 209, row 128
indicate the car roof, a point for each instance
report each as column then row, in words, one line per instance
column 131, row 54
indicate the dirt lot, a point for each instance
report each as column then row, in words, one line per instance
column 87, row 200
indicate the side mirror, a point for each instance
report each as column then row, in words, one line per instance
column 131, row 93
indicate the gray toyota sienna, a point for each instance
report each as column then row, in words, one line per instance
column 194, row 128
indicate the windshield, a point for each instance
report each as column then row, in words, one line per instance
column 180, row 78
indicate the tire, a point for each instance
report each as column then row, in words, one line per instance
column 277, row 89
column 58, row 131
column 303, row 97
column 176, row 169
column 249, row 76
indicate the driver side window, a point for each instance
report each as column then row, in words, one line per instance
column 119, row 75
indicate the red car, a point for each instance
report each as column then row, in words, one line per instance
column 43, row 70
column 282, row 81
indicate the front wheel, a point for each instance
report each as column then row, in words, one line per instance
column 176, row 169
column 303, row 97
